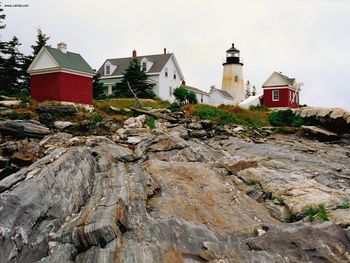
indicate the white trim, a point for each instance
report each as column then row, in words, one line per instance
column 277, row 87
column 38, row 56
column 278, row 93
column 120, row 76
column 57, row 70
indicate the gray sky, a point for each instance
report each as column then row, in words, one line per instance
column 308, row 40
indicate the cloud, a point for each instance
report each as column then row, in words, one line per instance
column 303, row 39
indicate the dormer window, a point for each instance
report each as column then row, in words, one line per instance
column 144, row 66
column 166, row 72
column 108, row 70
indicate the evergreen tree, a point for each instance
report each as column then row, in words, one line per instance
column 97, row 88
column 2, row 17
column 11, row 75
column 41, row 40
column 253, row 91
column 247, row 89
column 138, row 80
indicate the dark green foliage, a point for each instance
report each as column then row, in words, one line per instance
column 184, row 96
column 250, row 182
column 97, row 118
column 258, row 108
column 138, row 80
column 311, row 213
column 285, row 118
column 11, row 67
column 151, row 123
column 97, row 88
column 175, row 107
column 2, row 17
column 205, row 112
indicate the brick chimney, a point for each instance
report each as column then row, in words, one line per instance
column 62, row 47
column 134, row 53
column 164, row 51
column 183, row 83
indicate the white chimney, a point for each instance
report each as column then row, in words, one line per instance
column 63, row 47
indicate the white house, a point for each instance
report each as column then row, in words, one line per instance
column 213, row 97
column 162, row 69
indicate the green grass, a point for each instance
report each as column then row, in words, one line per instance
column 206, row 112
column 320, row 212
column 250, row 182
column 344, row 206
column 97, row 118
column 280, row 200
column 258, row 108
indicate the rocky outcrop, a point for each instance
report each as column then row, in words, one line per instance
column 20, row 128
column 333, row 119
column 161, row 196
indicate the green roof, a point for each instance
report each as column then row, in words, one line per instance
column 70, row 60
column 289, row 81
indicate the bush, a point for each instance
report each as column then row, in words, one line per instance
column 319, row 211
column 285, row 118
column 184, row 96
column 97, row 118
column 174, row 107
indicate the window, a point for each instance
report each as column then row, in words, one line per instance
column 275, row 95
column 236, row 78
column 290, row 95
column 166, row 72
column 170, row 91
column 201, row 98
column 144, row 66
column 108, row 70
column 174, row 74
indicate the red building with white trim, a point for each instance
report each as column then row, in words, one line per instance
column 59, row 75
column 281, row 91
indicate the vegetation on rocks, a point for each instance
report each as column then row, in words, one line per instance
column 285, row 118
column 320, row 212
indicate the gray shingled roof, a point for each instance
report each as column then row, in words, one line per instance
column 70, row 61
column 194, row 89
column 287, row 80
column 223, row 92
column 122, row 64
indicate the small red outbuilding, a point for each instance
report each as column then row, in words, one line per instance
column 59, row 75
column 281, row 91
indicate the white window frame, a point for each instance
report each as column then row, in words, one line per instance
column 174, row 74
column 109, row 69
column 273, row 95
column 109, row 90
column 166, row 72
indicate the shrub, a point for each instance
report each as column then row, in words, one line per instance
column 175, row 107
column 322, row 212
column 151, row 123
column 285, row 118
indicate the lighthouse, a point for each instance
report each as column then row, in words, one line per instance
column 232, row 78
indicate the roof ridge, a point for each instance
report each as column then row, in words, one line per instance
column 142, row 56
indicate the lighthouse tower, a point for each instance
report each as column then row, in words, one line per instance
column 232, row 78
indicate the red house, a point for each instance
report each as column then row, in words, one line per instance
column 59, row 75
column 281, row 91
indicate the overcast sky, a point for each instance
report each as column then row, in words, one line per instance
column 305, row 39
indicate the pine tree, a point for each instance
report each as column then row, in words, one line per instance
column 253, row 91
column 2, row 17
column 2, row 47
column 247, row 89
column 97, row 88
column 138, row 80
column 41, row 40
column 11, row 76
